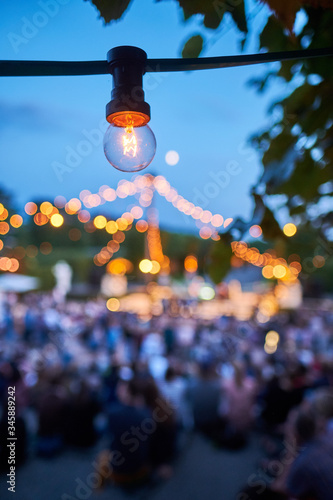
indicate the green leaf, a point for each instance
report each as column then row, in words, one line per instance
column 193, row 47
column 213, row 20
column 260, row 83
column 273, row 37
column 306, row 179
column 285, row 70
column 237, row 11
column 214, row 10
column 270, row 228
column 300, row 209
column 285, row 11
column 301, row 100
column 278, row 148
column 111, row 10
column 187, row 14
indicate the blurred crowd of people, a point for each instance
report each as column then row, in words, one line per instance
column 82, row 373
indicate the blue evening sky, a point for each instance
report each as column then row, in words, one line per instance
column 206, row 116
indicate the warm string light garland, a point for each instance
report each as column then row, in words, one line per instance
column 143, row 186
column 272, row 267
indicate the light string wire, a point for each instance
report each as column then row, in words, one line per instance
column 75, row 68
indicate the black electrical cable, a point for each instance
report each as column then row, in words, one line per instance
column 72, row 68
column 193, row 64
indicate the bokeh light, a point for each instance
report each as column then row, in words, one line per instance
column 172, row 158
column 30, row 208
column 206, row 293
column 155, row 267
column 289, row 229
column 40, row 219
column 318, row 261
column 4, row 228
column 45, row 248
column 74, row 234
column 191, row 264
column 57, row 220
column 272, row 338
column 145, row 266
column 267, row 272
column 270, row 349
column 113, row 304
column 279, row 271
column 111, row 227
column 141, row 226
column 255, row 231
column 3, row 213
column 60, row 201
column 16, row 220
column 46, row 208
column 100, row 222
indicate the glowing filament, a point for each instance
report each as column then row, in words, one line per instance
column 130, row 144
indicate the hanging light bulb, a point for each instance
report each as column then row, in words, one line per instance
column 129, row 147
column 129, row 143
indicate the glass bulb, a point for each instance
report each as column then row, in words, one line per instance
column 129, row 148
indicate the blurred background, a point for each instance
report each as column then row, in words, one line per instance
column 168, row 333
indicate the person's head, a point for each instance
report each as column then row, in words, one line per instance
column 323, row 403
column 131, row 392
column 207, row 370
column 305, row 426
column 170, row 374
column 239, row 373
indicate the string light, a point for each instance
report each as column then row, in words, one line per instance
column 272, row 267
column 129, row 143
column 143, row 185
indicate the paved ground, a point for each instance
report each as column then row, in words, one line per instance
column 202, row 472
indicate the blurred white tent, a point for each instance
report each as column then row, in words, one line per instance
column 18, row 283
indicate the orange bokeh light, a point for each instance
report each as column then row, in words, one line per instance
column 30, row 208
column 45, row 248
column 40, row 219
column 75, row 234
column 4, row 227
column 279, row 271
column 3, row 213
column 83, row 216
column 141, row 226
column 191, row 264
column 100, row 222
column 318, row 261
column 205, row 232
column 267, row 272
column 111, row 227
column 46, row 208
column 16, row 220
column 119, row 236
column 122, row 223
column 57, row 220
